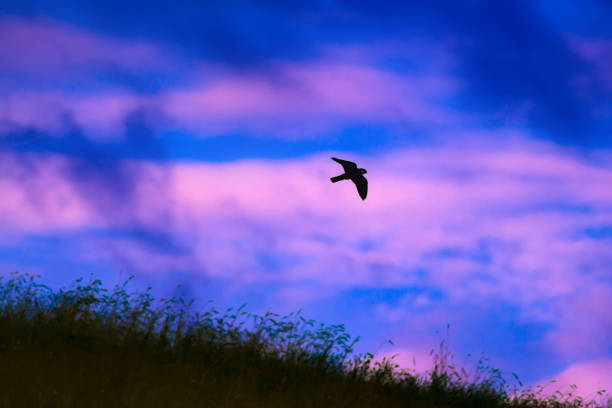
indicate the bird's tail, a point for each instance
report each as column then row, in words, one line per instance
column 338, row 178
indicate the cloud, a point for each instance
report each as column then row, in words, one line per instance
column 37, row 197
column 423, row 82
column 506, row 65
column 46, row 48
column 577, row 337
column 589, row 377
column 100, row 116
column 597, row 51
column 593, row 86
column 512, row 216
column 290, row 99
column 63, row 76
column 311, row 98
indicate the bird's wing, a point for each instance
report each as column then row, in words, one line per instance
column 347, row 165
column 362, row 186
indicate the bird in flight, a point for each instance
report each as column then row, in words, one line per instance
column 351, row 172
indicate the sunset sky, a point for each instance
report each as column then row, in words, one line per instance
column 186, row 143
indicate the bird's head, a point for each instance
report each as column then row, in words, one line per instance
column 363, row 171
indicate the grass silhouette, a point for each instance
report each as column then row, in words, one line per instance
column 88, row 346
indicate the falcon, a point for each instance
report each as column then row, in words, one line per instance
column 351, row 172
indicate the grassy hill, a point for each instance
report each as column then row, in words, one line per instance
column 87, row 346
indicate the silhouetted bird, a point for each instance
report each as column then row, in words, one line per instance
column 351, row 172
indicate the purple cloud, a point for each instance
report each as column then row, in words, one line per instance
column 311, row 97
column 333, row 94
column 289, row 99
column 481, row 212
column 37, row 197
column 45, row 47
column 576, row 337
column 598, row 52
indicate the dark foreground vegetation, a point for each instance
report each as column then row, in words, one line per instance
column 91, row 347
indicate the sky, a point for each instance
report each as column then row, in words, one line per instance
column 190, row 142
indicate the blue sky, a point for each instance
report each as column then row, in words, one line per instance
column 190, row 143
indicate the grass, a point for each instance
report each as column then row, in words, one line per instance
column 87, row 346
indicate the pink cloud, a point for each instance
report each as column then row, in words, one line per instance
column 292, row 99
column 409, row 214
column 311, row 99
column 502, row 213
column 326, row 92
column 589, row 377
